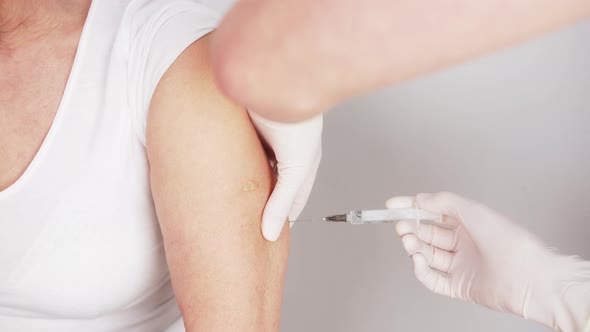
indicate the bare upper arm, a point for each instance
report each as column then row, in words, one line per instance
column 210, row 181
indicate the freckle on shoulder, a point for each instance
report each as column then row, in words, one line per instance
column 250, row 186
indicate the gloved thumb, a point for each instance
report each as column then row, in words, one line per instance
column 304, row 190
column 279, row 204
column 445, row 203
column 400, row 202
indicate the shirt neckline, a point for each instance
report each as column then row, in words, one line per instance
column 16, row 185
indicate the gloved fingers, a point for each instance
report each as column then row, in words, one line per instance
column 445, row 203
column 280, row 202
column 436, row 258
column 437, row 236
column 442, row 260
column 421, row 201
column 432, row 202
column 413, row 245
column 400, row 202
column 304, row 191
column 431, row 279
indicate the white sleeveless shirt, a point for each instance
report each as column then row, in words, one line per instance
column 80, row 245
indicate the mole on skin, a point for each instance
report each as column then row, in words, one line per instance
column 250, row 186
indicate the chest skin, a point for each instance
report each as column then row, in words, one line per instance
column 32, row 82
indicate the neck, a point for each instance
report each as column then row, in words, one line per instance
column 24, row 21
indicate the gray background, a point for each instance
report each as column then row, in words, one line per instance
column 510, row 130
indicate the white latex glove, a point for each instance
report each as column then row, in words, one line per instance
column 297, row 148
column 491, row 261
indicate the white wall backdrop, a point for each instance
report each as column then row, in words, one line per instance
column 511, row 130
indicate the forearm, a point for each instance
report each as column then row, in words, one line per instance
column 290, row 59
column 561, row 299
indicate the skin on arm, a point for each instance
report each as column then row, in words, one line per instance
column 290, row 59
column 210, row 181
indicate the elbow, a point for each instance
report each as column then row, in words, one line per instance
column 245, row 75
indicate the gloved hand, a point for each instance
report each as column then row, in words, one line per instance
column 488, row 260
column 297, row 148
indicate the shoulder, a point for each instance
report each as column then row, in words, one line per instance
column 189, row 85
column 151, row 15
column 159, row 31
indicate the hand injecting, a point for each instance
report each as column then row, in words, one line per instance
column 489, row 260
